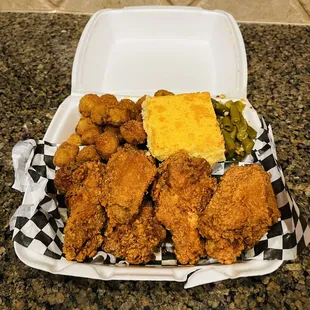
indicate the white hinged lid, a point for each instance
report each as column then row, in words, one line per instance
column 138, row 50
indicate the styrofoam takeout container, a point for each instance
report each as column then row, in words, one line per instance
column 135, row 51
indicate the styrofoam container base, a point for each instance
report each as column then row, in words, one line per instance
column 136, row 51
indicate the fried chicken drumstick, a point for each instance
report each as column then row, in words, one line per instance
column 181, row 192
column 239, row 214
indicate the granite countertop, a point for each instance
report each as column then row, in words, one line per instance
column 36, row 54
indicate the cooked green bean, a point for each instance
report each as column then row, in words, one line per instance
column 247, row 145
column 241, row 135
column 240, row 105
column 229, row 143
column 234, row 113
column 251, row 132
column 233, row 133
column 219, row 107
column 227, row 125
column 228, row 103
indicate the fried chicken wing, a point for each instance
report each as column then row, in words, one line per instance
column 181, row 192
column 65, row 153
column 128, row 174
column 133, row 132
column 86, row 216
column 239, row 214
column 83, row 232
column 136, row 241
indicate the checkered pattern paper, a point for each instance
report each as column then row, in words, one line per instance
column 38, row 223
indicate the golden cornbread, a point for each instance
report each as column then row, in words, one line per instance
column 183, row 122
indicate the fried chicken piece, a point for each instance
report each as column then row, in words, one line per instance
column 87, row 103
column 87, row 218
column 133, row 132
column 163, row 92
column 116, row 131
column 128, row 174
column 65, row 153
column 239, row 214
column 181, row 192
column 63, row 177
column 83, row 232
column 74, row 139
column 88, row 153
column 86, row 183
column 88, row 131
column 107, row 144
column 136, row 241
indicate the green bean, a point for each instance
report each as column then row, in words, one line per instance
column 228, row 103
column 251, row 132
column 229, row 143
column 247, row 145
column 233, row 133
column 241, row 135
column 227, row 125
column 240, row 105
column 219, row 108
column 234, row 114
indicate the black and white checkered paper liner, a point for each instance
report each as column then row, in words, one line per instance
column 38, row 223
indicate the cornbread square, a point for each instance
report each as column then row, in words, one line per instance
column 183, row 122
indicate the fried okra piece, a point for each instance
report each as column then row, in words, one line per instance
column 88, row 131
column 88, row 153
column 65, row 154
column 163, row 92
column 116, row 131
column 107, row 144
column 87, row 103
column 74, row 139
column 101, row 110
column 133, row 132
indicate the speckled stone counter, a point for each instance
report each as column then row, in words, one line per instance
column 36, row 54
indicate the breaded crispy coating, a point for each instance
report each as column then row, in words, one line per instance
column 129, row 173
column 163, row 92
column 87, row 218
column 88, row 153
column 133, row 132
column 74, row 139
column 107, row 144
column 134, row 109
column 86, row 183
column 65, row 154
column 139, row 108
column 63, row 177
column 83, row 232
column 88, row 131
column 109, row 111
column 136, row 241
column 240, row 212
column 181, row 192
column 116, row 131
column 87, row 103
